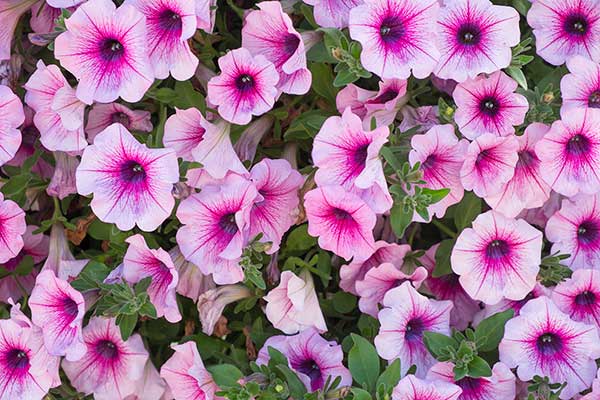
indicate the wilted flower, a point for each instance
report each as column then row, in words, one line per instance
column 247, row 143
column 192, row 282
column 212, row 303
column 62, row 183
column 425, row 118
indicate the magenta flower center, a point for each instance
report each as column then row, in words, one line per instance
column 311, row 369
column 290, row 44
column 588, row 231
column 469, row 385
column 585, row 298
column 17, row 359
column 170, row 21
column 360, row 155
column 576, row 24
column 120, row 118
column 594, row 99
column 526, row 158
column 430, row 161
column 469, row 34
column 244, row 82
column 340, row 214
column 132, row 171
column 111, row 49
column 497, row 249
column 70, row 307
column 391, row 29
column 414, row 329
column 228, row 224
column 489, row 106
column 549, row 343
column 107, row 349
column 389, row 94
column 578, row 145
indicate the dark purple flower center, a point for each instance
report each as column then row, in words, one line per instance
column 527, row 158
column 69, row 306
column 430, row 161
column 121, row 118
column 391, row 29
column 469, row 34
column 311, row 369
column 578, row 145
column 132, row 171
column 228, row 224
column 290, row 44
column 30, row 133
column 489, row 106
column 17, row 359
column 549, row 343
column 414, row 329
column 389, row 94
column 360, row 155
column 107, row 349
column 497, row 249
column 576, row 24
column 244, row 82
column 170, row 21
column 340, row 214
column 585, row 298
column 111, row 49
column 468, row 384
column 594, row 99
column 588, row 232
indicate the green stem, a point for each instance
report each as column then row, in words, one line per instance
column 444, row 228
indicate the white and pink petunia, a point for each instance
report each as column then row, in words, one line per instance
column 101, row 116
column 579, row 296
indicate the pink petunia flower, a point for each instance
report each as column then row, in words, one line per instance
column 106, row 49
column 565, row 28
column 30, row 136
column 342, row 221
column 424, row 118
column 12, row 116
column 43, row 16
column 60, row 259
column 352, row 273
column 347, row 155
column 10, row 14
column 501, row 385
column 215, row 227
column 441, row 156
column 169, row 25
column 186, row 375
column 546, row 342
column 575, row 230
column 413, row 388
column 404, row 318
column 192, row 282
column 489, row 164
column 211, row 304
column 333, row 13
column 397, row 36
column 269, row 32
column 12, row 228
column 151, row 386
column 489, row 105
column 140, row 262
column 110, row 367
column 247, row 144
column 580, row 88
column 101, row 116
column 475, row 36
column 570, row 153
column 579, row 296
column 595, row 393
column 245, row 87
column 62, row 183
column 58, row 310
column 64, row 3
column 313, row 358
column 206, row 11
column 293, row 305
column 527, row 188
column 499, row 257
column 131, row 183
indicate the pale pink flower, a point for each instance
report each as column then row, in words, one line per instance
column 192, row 282
column 212, row 303
column 101, row 116
column 423, row 118
column 333, row 13
column 579, row 296
column 12, row 116
column 12, row 228
column 10, row 14
column 413, row 388
column 580, row 88
column 62, row 183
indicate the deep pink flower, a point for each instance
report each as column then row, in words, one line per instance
column 333, row 13
column 105, row 48
column 10, row 14
column 441, row 156
column 565, row 28
column 245, row 87
column 489, row 164
column 58, row 310
column 404, row 318
column 62, row 183
column 570, row 153
column 141, row 262
column 475, row 36
column 544, row 341
column 131, row 183
column 575, row 230
column 111, row 367
column 12, row 116
column 186, row 375
column 580, row 88
column 348, row 155
column 169, row 25
column 412, row 388
column 342, row 221
column 270, row 32
column 499, row 257
column 501, row 385
column 312, row 357
column 397, row 36
column 579, row 296
column 101, row 116
column 527, row 188
column 215, row 227
column 12, row 228
column 489, row 105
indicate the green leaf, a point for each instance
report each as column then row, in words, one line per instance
column 91, row 275
column 25, row 266
column 344, row 76
column 142, row 286
column 297, row 388
column 306, row 125
column 478, row 368
column 322, row 82
column 489, row 332
column 437, row 195
column 299, row 239
column 363, row 362
column 517, row 74
column 343, row 302
column 400, row 219
column 16, row 184
column 225, row 375
column 391, row 376
column 467, row 210
column 360, row 394
column 442, row 258
column 391, row 158
column 126, row 323
column 147, row 309
column 437, row 343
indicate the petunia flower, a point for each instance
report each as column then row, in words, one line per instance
column 293, row 305
column 186, row 375
column 277, row 209
column 101, row 116
column 342, row 221
column 313, row 358
column 131, row 183
column 565, row 28
column 192, row 282
column 247, row 144
column 475, row 36
column 269, row 32
column 593, row 395
column 215, row 227
column 441, row 156
column 546, row 342
column 151, row 386
column 12, row 116
column 412, row 388
column 245, row 87
column 423, row 118
column 30, row 135
column 489, row 105
column 58, row 310
column 348, row 155
column 10, row 14
column 386, row 103
column 206, row 11
column 404, row 318
column 575, row 230
column 579, row 296
column 489, row 164
column 580, row 88
column 44, row 16
column 501, row 385
column 64, row 3
column 12, row 228
column 169, row 25
column 333, row 13
column 527, row 188
column 106, row 49
column 570, row 153
column 499, row 257
column 60, row 258
column 110, row 367
column 62, row 183
column 211, row 304
column 141, row 262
